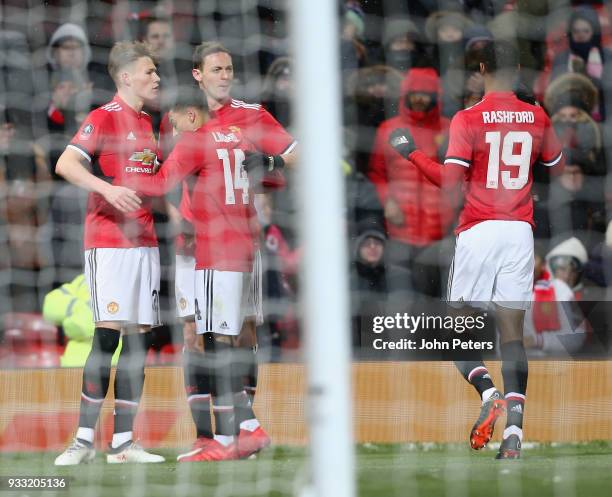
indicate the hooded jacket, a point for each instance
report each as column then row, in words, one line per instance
column 68, row 30
column 428, row 214
column 600, row 73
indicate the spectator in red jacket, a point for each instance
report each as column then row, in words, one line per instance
column 418, row 215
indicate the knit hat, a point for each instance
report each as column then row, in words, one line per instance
column 65, row 31
column 445, row 17
column 399, row 27
column 474, row 34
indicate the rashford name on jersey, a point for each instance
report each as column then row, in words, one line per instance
column 507, row 116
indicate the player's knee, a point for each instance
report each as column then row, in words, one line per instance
column 248, row 334
column 106, row 340
column 191, row 340
column 109, row 325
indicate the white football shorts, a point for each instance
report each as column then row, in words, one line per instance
column 222, row 301
column 184, row 285
column 493, row 262
column 124, row 284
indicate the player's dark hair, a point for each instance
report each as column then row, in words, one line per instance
column 500, row 55
column 143, row 26
column 190, row 96
column 205, row 49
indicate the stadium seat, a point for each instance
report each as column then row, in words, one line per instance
column 29, row 342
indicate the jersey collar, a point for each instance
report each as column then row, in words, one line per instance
column 221, row 110
column 499, row 94
column 127, row 108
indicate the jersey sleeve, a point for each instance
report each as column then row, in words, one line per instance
column 167, row 138
column 550, row 155
column 90, row 137
column 268, row 135
column 460, row 145
column 186, row 158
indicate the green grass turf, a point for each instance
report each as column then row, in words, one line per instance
column 383, row 470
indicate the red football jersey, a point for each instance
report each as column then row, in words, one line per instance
column 498, row 140
column 221, row 203
column 254, row 123
column 120, row 145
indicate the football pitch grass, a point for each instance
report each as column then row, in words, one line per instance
column 382, row 470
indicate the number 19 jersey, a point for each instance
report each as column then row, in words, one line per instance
column 498, row 141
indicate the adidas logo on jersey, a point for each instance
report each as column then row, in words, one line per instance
column 131, row 136
column 224, row 326
column 518, row 408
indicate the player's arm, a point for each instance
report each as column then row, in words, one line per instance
column 277, row 148
column 183, row 161
column 290, row 158
column 447, row 175
column 71, row 168
column 550, row 155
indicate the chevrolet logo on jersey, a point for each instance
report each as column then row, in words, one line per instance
column 147, row 158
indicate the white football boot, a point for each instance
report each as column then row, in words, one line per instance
column 76, row 453
column 130, row 451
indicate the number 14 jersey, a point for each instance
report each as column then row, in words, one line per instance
column 498, row 141
column 221, row 201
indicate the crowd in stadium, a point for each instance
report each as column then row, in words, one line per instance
column 410, row 64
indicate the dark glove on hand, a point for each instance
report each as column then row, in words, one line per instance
column 256, row 160
column 403, row 143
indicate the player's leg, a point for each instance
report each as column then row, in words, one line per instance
column 195, row 369
column 219, row 319
column 513, row 291
column 247, row 342
column 251, row 436
column 492, row 400
column 141, row 300
column 196, row 373
column 471, row 280
column 96, row 372
column 515, row 373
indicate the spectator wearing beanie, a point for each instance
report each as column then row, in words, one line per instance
column 402, row 44
column 376, row 288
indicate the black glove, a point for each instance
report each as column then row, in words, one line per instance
column 403, row 143
column 267, row 163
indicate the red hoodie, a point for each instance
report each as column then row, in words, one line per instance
column 428, row 213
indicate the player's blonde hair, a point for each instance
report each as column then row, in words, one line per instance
column 124, row 53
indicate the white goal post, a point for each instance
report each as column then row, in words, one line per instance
column 324, row 286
